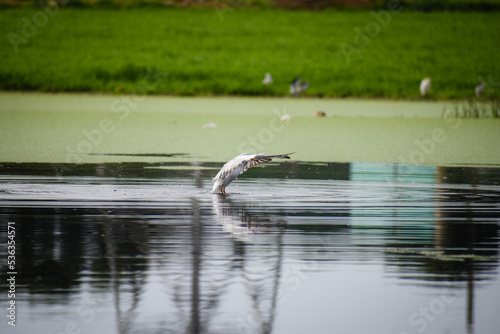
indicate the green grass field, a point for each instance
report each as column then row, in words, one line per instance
column 228, row 51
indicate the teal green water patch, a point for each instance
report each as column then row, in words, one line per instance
column 72, row 128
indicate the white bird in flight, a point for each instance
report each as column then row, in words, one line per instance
column 425, row 86
column 238, row 165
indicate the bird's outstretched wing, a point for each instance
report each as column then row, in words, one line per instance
column 262, row 159
column 245, row 161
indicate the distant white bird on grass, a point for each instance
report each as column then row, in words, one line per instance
column 285, row 118
column 480, row 89
column 211, row 125
column 425, row 86
column 236, row 166
column 297, row 87
column 268, row 79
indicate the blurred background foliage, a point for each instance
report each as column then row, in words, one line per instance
column 422, row 5
column 226, row 47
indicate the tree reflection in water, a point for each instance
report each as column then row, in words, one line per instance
column 201, row 263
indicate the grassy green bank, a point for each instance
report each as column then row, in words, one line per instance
column 89, row 128
column 227, row 51
column 421, row 5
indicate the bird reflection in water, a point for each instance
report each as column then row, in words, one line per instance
column 202, row 265
column 262, row 286
column 243, row 226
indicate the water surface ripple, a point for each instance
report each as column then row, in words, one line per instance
column 292, row 248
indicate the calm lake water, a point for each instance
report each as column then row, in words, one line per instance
column 293, row 248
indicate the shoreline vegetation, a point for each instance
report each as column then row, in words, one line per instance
column 224, row 48
column 416, row 5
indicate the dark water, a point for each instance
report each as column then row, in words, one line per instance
column 292, row 248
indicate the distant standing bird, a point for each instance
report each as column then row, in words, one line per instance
column 297, row 87
column 285, row 118
column 211, row 125
column 236, row 166
column 268, row 79
column 425, row 86
column 480, row 89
